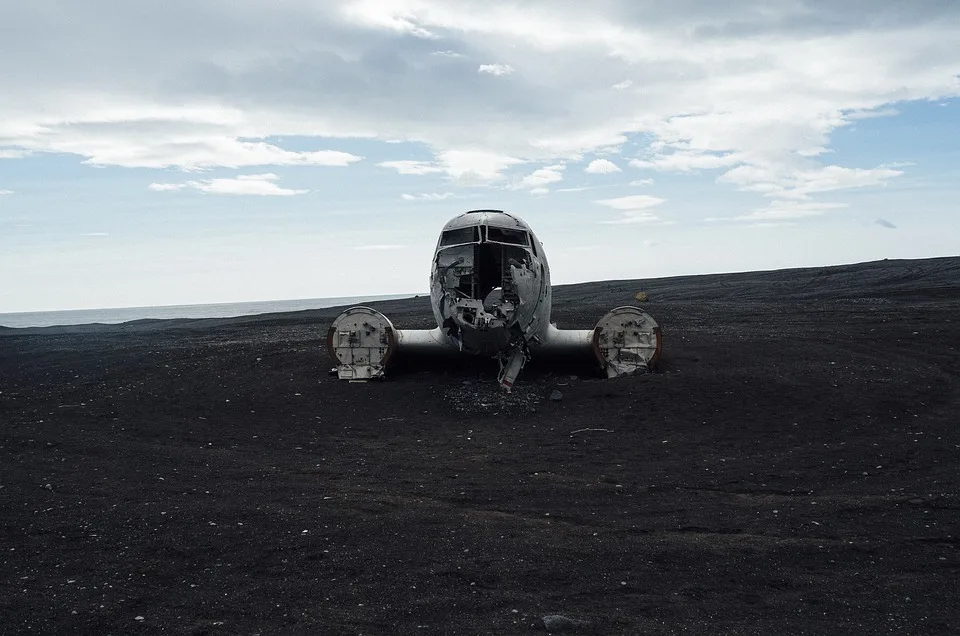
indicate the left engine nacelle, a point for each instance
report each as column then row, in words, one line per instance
column 361, row 341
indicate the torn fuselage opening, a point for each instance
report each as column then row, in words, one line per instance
column 478, row 285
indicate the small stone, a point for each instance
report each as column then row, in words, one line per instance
column 560, row 623
column 556, row 396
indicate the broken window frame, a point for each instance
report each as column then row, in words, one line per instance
column 505, row 233
column 458, row 236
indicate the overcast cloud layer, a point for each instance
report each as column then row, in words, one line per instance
column 745, row 96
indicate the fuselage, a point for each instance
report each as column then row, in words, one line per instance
column 490, row 283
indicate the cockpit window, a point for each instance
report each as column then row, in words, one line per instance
column 460, row 236
column 505, row 235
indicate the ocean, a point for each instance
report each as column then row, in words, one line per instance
column 219, row 310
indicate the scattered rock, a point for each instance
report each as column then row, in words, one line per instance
column 556, row 396
column 474, row 397
column 561, row 623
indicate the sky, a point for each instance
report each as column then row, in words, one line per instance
column 211, row 151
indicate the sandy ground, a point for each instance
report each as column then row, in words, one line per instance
column 791, row 467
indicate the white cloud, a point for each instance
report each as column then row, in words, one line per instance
column 641, row 182
column 897, row 164
column 722, row 87
column 466, row 166
column 782, row 210
column 372, row 14
column 410, row 167
column 686, row 161
column 249, row 184
column 632, row 202
column 495, row 69
column 577, row 189
column 95, row 234
column 167, row 187
column 475, row 166
column 646, row 218
column 800, row 183
column 429, row 196
column 540, row 178
column 635, row 209
column 601, row 166
column 3, row 192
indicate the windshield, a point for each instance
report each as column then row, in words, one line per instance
column 505, row 235
column 460, row 236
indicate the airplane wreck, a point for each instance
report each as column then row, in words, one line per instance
column 491, row 296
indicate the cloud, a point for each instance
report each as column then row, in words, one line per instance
column 897, row 164
column 371, row 14
column 539, row 179
column 885, row 223
column 466, row 166
column 632, row 202
column 781, row 210
column 410, row 167
column 429, row 196
column 635, row 209
column 378, row 248
column 619, row 86
column 3, row 192
column 601, row 166
column 801, row 183
column 475, row 166
column 249, row 184
column 686, row 161
column 95, row 234
column 641, row 182
column 577, row 189
column 495, row 69
column 723, row 87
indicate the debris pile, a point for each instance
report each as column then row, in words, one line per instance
column 488, row 398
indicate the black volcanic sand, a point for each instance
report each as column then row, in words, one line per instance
column 791, row 467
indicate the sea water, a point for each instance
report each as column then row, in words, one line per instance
column 219, row 310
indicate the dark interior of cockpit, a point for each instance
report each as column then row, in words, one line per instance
column 494, row 251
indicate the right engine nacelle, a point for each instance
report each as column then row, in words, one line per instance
column 626, row 341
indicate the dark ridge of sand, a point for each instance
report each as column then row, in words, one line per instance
column 792, row 467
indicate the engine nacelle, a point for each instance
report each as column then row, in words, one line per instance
column 361, row 341
column 626, row 341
